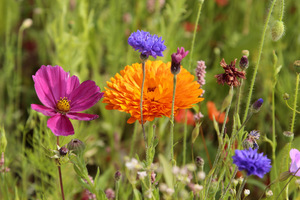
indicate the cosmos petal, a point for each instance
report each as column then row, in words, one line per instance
column 60, row 125
column 43, row 109
column 82, row 116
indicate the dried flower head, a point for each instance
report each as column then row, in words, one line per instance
column 63, row 97
column 147, row 44
column 231, row 75
column 124, row 91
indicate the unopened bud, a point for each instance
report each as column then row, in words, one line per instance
column 269, row 193
column 277, row 30
column 257, row 105
column 232, row 192
column 284, row 175
column 244, row 63
column 297, row 66
column 27, row 23
column 118, row 175
column 63, row 151
column 245, row 53
column 286, row 96
column 199, row 161
column 288, row 135
column 246, row 192
column 76, row 146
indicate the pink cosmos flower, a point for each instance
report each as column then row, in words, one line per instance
column 63, row 97
column 295, row 164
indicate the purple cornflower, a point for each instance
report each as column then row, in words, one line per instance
column 252, row 162
column 200, row 72
column 295, row 164
column 176, row 59
column 63, row 97
column 147, row 44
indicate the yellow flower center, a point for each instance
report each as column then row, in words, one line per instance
column 63, row 105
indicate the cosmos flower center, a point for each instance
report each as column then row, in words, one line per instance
column 63, row 105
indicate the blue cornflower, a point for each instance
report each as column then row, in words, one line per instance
column 252, row 162
column 147, row 44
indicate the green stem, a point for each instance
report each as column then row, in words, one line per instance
column 238, row 197
column 291, row 107
column 226, row 114
column 18, row 75
column 172, row 119
column 258, row 59
column 133, row 139
column 295, row 103
column 60, row 176
column 184, row 137
column 231, row 179
column 281, row 10
column 194, row 34
column 117, row 190
column 141, row 102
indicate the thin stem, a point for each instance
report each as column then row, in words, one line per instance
column 133, row 139
column 172, row 118
column 184, row 137
column 195, row 31
column 281, row 10
column 117, row 190
column 295, row 103
column 226, row 114
column 18, row 75
column 231, row 179
column 141, row 102
column 291, row 107
column 60, row 176
column 238, row 97
column 241, row 188
column 258, row 59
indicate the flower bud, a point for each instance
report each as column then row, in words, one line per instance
column 286, row 96
column 244, row 63
column 76, row 146
column 27, row 23
column 288, row 135
column 246, row 192
column 3, row 141
column 245, row 53
column 143, row 57
column 118, row 175
column 199, row 161
column 269, row 193
column 63, row 151
column 257, row 105
column 297, row 66
column 176, row 60
column 277, row 30
column 284, row 175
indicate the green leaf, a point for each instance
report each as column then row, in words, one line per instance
column 167, row 172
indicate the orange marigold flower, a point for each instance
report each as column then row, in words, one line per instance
column 125, row 88
column 212, row 111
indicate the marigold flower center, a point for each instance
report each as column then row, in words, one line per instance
column 63, row 105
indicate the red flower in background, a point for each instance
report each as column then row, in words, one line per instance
column 180, row 117
column 222, row 3
column 212, row 111
column 189, row 27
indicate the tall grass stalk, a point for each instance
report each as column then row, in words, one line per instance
column 60, row 176
column 141, row 102
column 172, row 120
column 262, row 41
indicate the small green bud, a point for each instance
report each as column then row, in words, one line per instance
column 245, row 53
column 277, row 30
column 288, row 135
column 284, row 175
column 3, row 141
column 286, row 96
column 199, row 161
column 297, row 66
column 76, row 146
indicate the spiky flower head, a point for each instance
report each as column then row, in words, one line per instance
column 231, row 74
column 147, row 44
column 176, row 60
column 252, row 162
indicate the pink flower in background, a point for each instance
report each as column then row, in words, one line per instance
column 295, row 164
column 63, row 97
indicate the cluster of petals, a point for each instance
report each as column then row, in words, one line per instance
column 200, row 72
column 295, row 164
column 63, row 97
column 214, row 113
column 231, row 74
column 252, row 162
column 124, row 90
column 147, row 44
